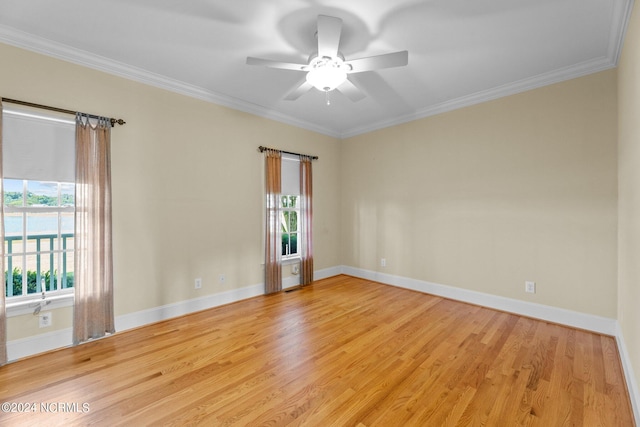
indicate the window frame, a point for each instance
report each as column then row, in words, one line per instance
column 296, row 210
column 290, row 185
column 59, row 252
column 61, row 297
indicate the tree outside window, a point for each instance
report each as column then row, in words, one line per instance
column 290, row 211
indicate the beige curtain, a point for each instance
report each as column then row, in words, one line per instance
column 306, row 220
column 3, row 313
column 93, row 310
column 273, row 237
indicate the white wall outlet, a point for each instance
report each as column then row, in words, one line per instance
column 383, row 262
column 45, row 319
column 530, row 287
column 222, row 278
column 198, row 283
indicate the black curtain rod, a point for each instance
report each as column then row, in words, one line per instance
column 58, row 110
column 262, row 149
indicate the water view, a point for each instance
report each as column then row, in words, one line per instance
column 37, row 224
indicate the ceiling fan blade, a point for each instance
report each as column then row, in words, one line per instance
column 275, row 64
column 299, row 91
column 351, row 91
column 388, row 60
column 329, row 29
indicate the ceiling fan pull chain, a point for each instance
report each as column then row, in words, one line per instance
column 326, row 94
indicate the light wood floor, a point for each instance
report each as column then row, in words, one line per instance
column 342, row 352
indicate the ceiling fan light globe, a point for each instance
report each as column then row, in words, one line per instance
column 326, row 78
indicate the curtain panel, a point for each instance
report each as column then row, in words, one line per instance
column 273, row 235
column 93, row 307
column 3, row 311
column 306, row 220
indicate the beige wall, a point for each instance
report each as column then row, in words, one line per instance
column 629, row 192
column 482, row 198
column 187, row 183
column 489, row 196
column 26, row 325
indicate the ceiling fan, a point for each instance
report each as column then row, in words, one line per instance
column 327, row 68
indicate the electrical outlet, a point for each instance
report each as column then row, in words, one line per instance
column 198, row 283
column 45, row 320
column 222, row 278
column 530, row 287
column 383, row 262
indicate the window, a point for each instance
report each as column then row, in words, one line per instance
column 290, row 206
column 290, row 211
column 39, row 203
column 38, row 236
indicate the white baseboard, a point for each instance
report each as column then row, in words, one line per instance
column 29, row 346
column 632, row 386
column 24, row 347
column 552, row 314
column 41, row 343
column 602, row 325
column 327, row 272
column 156, row 314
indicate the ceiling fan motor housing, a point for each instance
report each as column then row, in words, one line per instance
column 327, row 69
column 326, row 73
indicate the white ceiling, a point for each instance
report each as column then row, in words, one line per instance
column 461, row 52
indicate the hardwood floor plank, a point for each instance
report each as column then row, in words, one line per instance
column 343, row 351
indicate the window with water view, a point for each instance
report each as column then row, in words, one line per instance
column 39, row 229
column 38, row 165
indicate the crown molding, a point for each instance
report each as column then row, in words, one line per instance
column 619, row 22
column 620, row 18
column 20, row 39
column 520, row 86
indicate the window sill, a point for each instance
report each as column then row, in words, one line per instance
column 29, row 305
column 292, row 260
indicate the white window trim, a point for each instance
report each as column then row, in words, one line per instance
column 16, row 304
column 286, row 259
column 297, row 232
column 292, row 259
column 27, row 304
